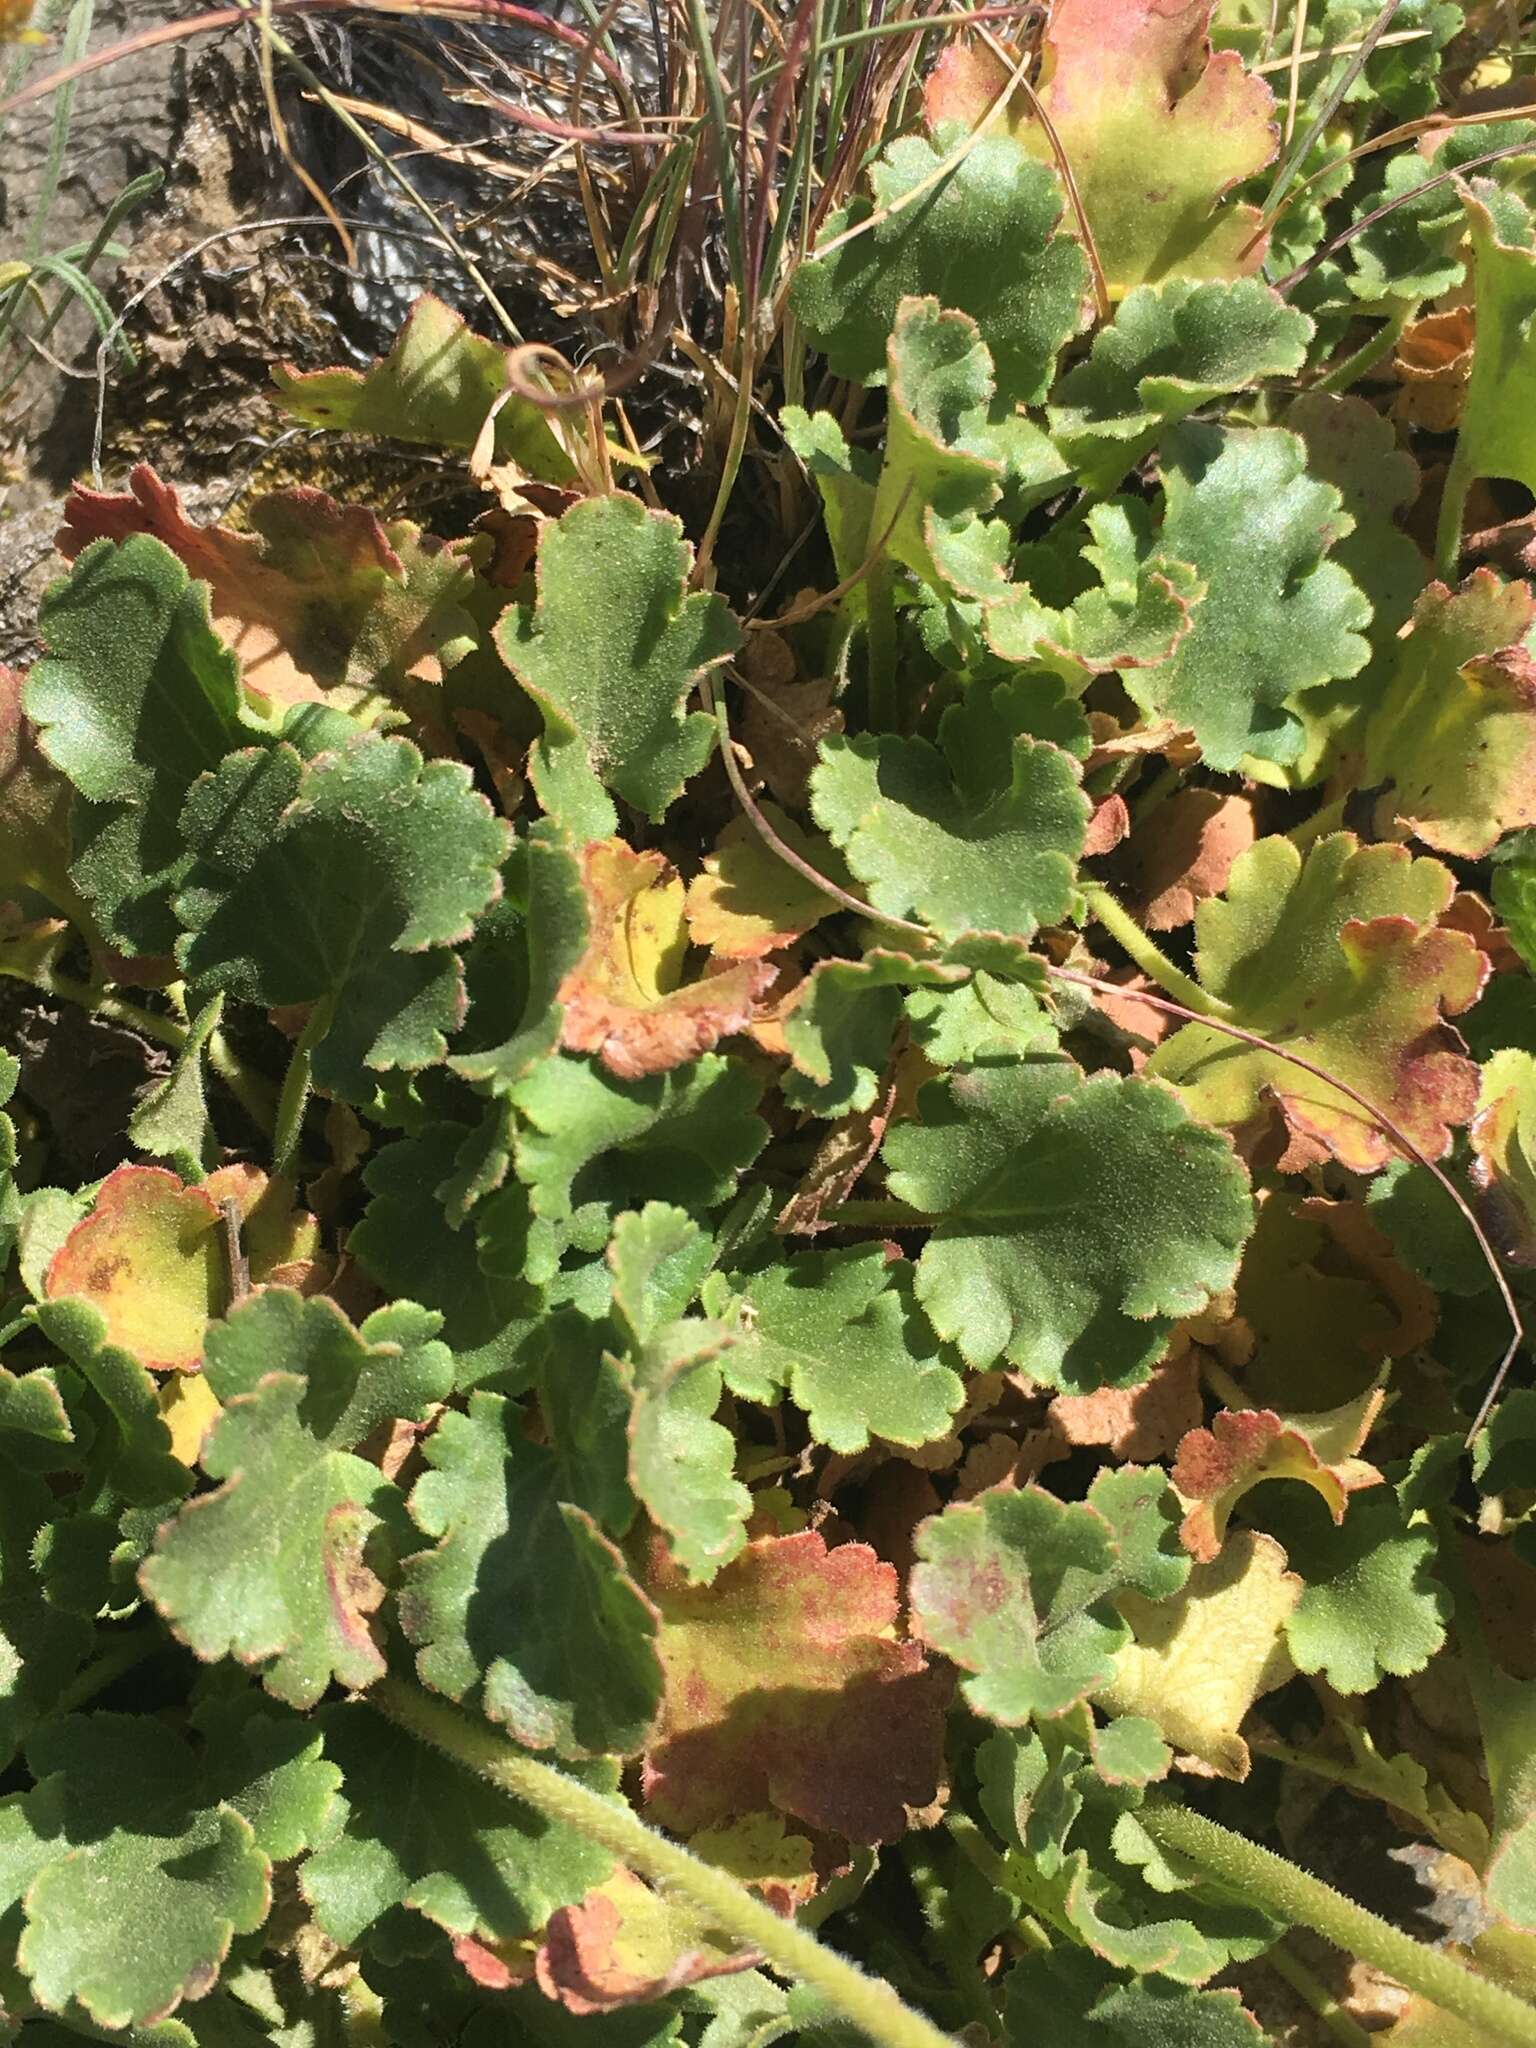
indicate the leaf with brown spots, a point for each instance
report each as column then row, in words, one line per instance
column 1018, row 1588
column 1454, row 730
column 151, row 1256
column 625, row 999
column 787, row 1689
column 764, row 1855
column 318, row 602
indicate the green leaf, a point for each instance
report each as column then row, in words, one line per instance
column 1351, row 446
column 1336, row 957
column 1078, row 1218
column 1071, row 1998
column 1170, row 350
column 840, row 1029
column 41, row 1645
column 1133, row 617
column 276, row 1564
column 136, row 697
column 945, row 245
column 1413, row 251
column 134, row 1440
column 1277, row 619
column 132, row 1886
column 270, row 1766
column 984, row 1016
column 610, row 651
column 472, row 1275
column 983, row 830
column 1017, row 1588
column 171, row 1122
column 1014, row 1588
column 681, row 1462
column 944, row 455
column 418, row 1830
column 682, row 1136
column 346, row 880
column 1370, row 1605
column 840, row 1333
column 1514, row 894
column 524, row 1598
column 1497, row 436
column 552, row 939
column 658, row 1259
column 438, row 385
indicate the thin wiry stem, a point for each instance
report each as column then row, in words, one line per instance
column 1378, row 1116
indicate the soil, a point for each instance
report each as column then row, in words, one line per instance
column 229, row 268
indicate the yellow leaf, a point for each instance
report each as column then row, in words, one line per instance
column 748, row 902
column 760, row 1851
column 1200, row 1660
column 151, row 1256
column 189, row 1408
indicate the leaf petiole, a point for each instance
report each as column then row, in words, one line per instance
column 1149, row 957
column 870, row 2005
column 1294, row 1895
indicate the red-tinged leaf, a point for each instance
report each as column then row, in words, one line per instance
column 486, row 1966
column 1244, row 1447
column 1138, row 1424
column 1156, row 130
column 318, row 601
column 786, row 1688
column 626, row 1945
column 1335, row 957
column 625, row 999
column 151, row 1256
column 1110, row 823
column 1433, row 361
column 1185, row 854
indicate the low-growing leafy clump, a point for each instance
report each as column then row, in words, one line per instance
column 884, row 1240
